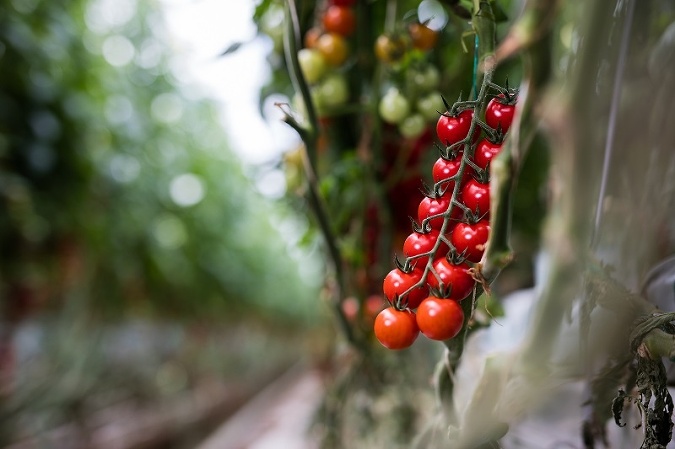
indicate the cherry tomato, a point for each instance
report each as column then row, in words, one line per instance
column 333, row 47
column 430, row 105
column 485, row 151
column 447, row 168
column 394, row 107
column 417, row 243
column 425, row 79
column 499, row 113
column 312, row 37
column 312, row 64
column 433, row 206
column 350, row 308
column 373, row 305
column 440, row 319
column 470, row 239
column 343, row 2
column 454, row 129
column 340, row 20
column 331, row 92
column 476, row 196
column 396, row 282
column 412, row 126
column 396, row 329
column 423, row 37
column 389, row 49
column 455, row 278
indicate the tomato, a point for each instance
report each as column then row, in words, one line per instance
column 340, row 20
column 470, row 239
column 389, row 49
column 350, row 308
column 447, row 168
column 476, row 196
column 373, row 305
column 499, row 113
column 331, row 92
column 429, row 207
column 333, row 47
column 394, row 107
column 396, row 329
column 452, row 129
column 423, row 37
column 312, row 64
column 485, row 151
column 440, row 319
column 343, row 2
column 418, row 243
column 412, row 126
column 396, row 282
column 455, row 278
column 430, row 106
column 312, row 37
column 425, row 79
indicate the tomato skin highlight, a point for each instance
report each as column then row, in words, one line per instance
column 396, row 329
column 498, row 114
column 440, row 319
column 455, row 277
column 340, row 20
column 396, row 282
column 470, row 239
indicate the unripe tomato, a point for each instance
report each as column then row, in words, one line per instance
column 332, row 91
column 440, row 319
column 423, row 37
column 412, row 126
column 340, row 20
column 312, row 64
column 396, row 329
column 312, row 37
column 389, row 49
column 425, row 78
column 430, row 106
column 394, row 107
column 333, row 47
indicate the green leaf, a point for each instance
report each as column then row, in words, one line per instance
column 261, row 9
column 498, row 11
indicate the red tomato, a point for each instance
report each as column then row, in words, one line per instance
column 343, row 2
column 340, row 20
column 418, row 243
column 433, row 206
column 396, row 329
column 397, row 282
column 476, row 196
column 440, row 319
column 485, row 151
column 470, row 239
column 499, row 113
column 447, row 168
column 373, row 305
column 350, row 308
column 451, row 129
column 455, row 278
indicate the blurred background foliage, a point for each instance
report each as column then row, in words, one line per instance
column 136, row 255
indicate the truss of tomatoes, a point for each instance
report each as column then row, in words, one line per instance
column 425, row 291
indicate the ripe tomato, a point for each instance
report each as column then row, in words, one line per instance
column 340, row 20
column 417, row 243
column 389, row 49
column 343, row 2
column 396, row 282
column 470, row 239
column 350, row 308
column 423, row 37
column 333, row 47
column 451, row 129
column 396, row 329
column 440, row 319
column 485, row 151
column 455, row 278
column 312, row 37
column 447, row 168
column 499, row 113
column 373, row 305
column 433, row 206
column 476, row 196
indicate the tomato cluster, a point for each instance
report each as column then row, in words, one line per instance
column 326, row 51
column 451, row 232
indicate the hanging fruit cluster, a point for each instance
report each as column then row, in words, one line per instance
column 324, row 56
column 452, row 227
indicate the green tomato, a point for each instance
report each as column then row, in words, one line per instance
column 394, row 107
column 312, row 64
column 412, row 126
column 425, row 79
column 332, row 91
column 430, row 105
